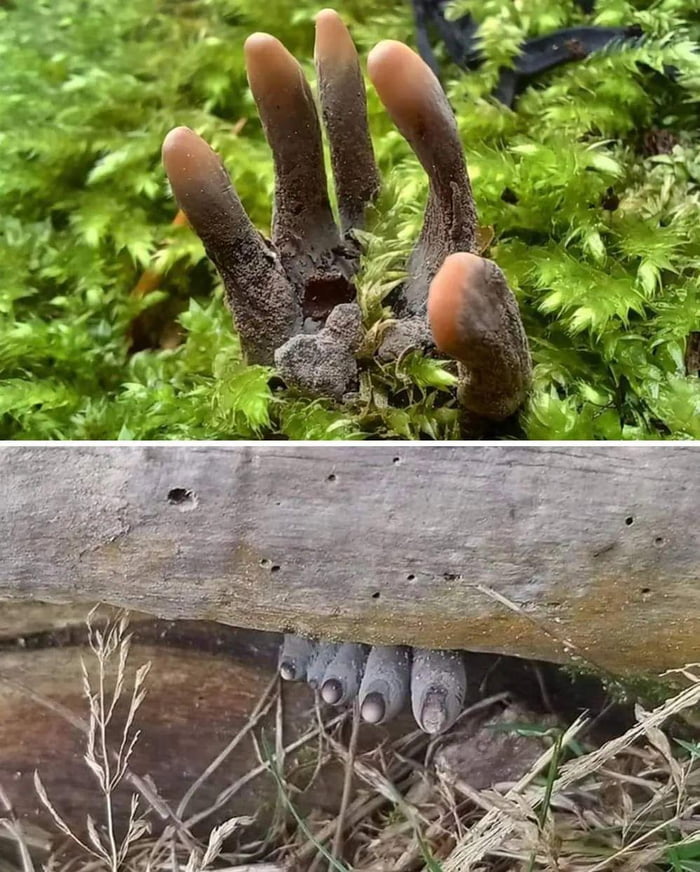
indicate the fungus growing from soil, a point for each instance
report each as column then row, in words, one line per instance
column 293, row 297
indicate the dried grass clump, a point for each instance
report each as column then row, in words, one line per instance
column 632, row 803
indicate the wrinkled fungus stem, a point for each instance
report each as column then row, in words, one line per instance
column 293, row 298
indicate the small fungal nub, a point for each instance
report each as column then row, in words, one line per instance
column 438, row 686
column 295, row 657
column 373, row 708
column 434, row 714
column 343, row 674
column 288, row 670
column 332, row 691
column 323, row 656
column 385, row 684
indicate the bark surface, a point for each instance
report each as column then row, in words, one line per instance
column 546, row 552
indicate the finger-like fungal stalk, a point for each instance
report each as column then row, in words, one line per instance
column 265, row 307
column 385, row 684
column 474, row 318
column 294, row 299
column 344, row 107
column 320, row 661
column 382, row 677
column 295, row 656
column 303, row 227
column 302, row 216
column 343, row 674
column 438, row 686
column 416, row 102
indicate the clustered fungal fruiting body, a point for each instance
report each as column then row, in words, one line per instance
column 381, row 678
column 293, row 297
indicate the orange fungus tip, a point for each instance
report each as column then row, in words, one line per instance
column 182, row 148
column 262, row 48
column 258, row 40
column 334, row 45
column 176, row 140
column 404, row 82
column 384, row 58
column 327, row 16
column 272, row 70
column 447, row 297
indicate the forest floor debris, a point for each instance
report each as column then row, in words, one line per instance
column 507, row 788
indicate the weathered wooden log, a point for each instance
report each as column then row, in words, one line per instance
column 205, row 681
column 547, row 552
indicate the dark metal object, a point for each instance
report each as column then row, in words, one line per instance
column 538, row 55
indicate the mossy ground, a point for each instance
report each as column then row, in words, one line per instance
column 597, row 233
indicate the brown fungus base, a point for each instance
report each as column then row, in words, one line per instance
column 286, row 294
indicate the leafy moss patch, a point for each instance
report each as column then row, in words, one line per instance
column 589, row 192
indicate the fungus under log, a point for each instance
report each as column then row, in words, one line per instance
column 319, row 663
column 382, row 677
column 295, row 656
column 344, row 674
column 438, row 686
column 385, row 684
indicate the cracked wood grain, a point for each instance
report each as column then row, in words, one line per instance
column 533, row 551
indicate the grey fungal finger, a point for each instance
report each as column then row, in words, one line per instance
column 295, row 656
column 416, row 102
column 385, row 684
column 319, row 663
column 265, row 307
column 438, row 686
column 303, row 219
column 344, row 107
column 474, row 317
column 344, row 673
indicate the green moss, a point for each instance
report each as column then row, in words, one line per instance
column 648, row 689
column 609, row 296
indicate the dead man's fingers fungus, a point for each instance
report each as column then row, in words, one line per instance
column 285, row 294
column 341, row 680
column 474, row 318
column 382, row 678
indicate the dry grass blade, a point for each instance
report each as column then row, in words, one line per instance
column 217, row 837
column 237, row 785
column 16, row 831
column 337, row 848
column 492, row 829
column 58, row 820
column 650, row 855
column 490, row 832
column 109, row 644
column 273, row 768
column 261, row 709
